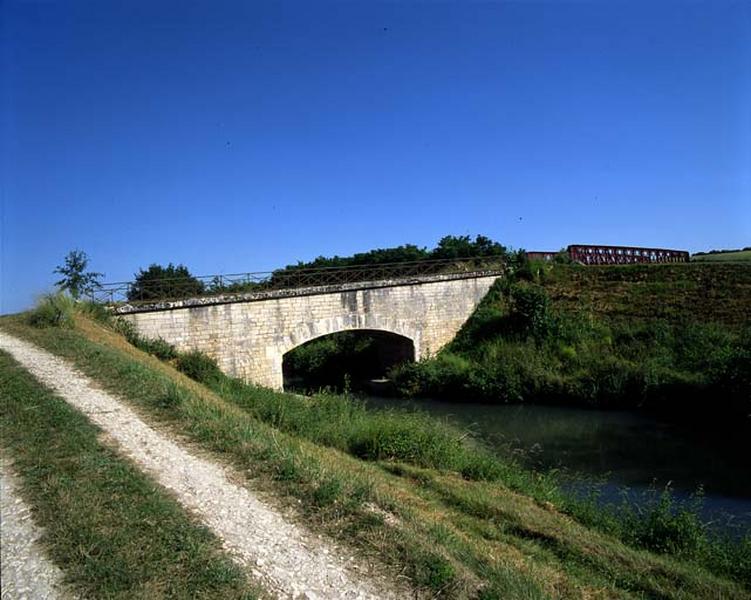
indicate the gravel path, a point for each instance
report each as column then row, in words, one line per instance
column 26, row 571
column 289, row 562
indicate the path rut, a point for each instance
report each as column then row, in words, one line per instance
column 26, row 572
column 289, row 561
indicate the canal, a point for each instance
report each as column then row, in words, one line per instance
column 621, row 452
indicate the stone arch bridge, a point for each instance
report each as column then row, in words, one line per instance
column 249, row 334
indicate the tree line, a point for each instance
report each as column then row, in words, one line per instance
column 176, row 281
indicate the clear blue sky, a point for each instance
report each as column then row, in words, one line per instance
column 236, row 136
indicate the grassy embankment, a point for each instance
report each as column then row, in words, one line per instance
column 724, row 256
column 113, row 531
column 664, row 336
column 405, row 489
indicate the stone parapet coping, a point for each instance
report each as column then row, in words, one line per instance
column 125, row 309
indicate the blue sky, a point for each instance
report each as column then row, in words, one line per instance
column 240, row 136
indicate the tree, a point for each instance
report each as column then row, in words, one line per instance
column 462, row 246
column 76, row 279
column 158, row 283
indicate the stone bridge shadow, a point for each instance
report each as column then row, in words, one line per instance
column 364, row 355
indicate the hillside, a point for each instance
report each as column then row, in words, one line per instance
column 674, row 292
column 724, row 256
column 668, row 337
column 401, row 489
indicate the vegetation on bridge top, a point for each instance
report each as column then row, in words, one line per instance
column 174, row 282
column 453, row 254
column 449, row 247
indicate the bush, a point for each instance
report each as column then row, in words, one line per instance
column 199, row 367
column 733, row 377
column 447, row 374
column 98, row 312
column 53, row 310
column 172, row 397
column 158, row 283
column 730, row 555
column 160, row 348
column 667, row 526
column 530, row 311
column 126, row 329
column 489, row 320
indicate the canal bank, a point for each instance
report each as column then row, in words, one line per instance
column 617, row 453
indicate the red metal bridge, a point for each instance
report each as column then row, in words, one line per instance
column 588, row 254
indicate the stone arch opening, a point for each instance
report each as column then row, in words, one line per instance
column 355, row 358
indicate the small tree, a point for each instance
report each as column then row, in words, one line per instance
column 530, row 310
column 158, row 282
column 76, row 279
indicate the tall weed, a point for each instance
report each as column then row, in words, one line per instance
column 53, row 310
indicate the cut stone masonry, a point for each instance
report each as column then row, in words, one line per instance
column 248, row 335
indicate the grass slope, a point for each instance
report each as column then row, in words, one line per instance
column 719, row 293
column 114, row 532
column 453, row 537
column 738, row 255
column 674, row 338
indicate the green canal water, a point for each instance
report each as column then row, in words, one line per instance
column 623, row 452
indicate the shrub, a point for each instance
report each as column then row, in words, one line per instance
column 408, row 379
column 158, row 282
column 487, row 322
column 172, row 397
column 669, row 528
column 98, row 312
column 159, row 347
column 447, row 374
column 733, row 377
column 198, row 366
column 53, row 310
column 126, row 329
column 530, row 310
column 730, row 555
column 610, row 381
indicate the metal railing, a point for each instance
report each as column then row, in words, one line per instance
column 144, row 291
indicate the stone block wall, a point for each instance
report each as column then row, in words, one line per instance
column 248, row 339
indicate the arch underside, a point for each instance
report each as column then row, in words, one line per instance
column 308, row 331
